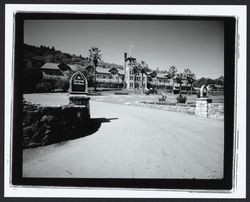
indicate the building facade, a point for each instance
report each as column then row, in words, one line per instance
column 54, row 70
column 133, row 79
column 118, row 77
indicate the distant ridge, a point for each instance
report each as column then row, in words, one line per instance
column 48, row 54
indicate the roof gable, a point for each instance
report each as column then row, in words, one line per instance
column 50, row 65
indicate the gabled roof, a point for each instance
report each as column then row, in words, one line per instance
column 107, row 70
column 52, row 72
column 102, row 70
column 161, row 75
column 73, row 67
column 50, row 65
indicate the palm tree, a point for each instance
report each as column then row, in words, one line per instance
column 151, row 79
column 95, row 57
column 143, row 69
column 114, row 71
column 179, row 78
column 135, row 70
column 190, row 78
column 171, row 74
column 186, row 74
column 153, row 74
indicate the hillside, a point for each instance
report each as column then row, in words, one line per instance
column 48, row 54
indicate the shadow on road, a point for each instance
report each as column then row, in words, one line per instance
column 103, row 120
column 90, row 128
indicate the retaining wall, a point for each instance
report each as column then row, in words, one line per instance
column 216, row 111
column 170, row 106
column 213, row 110
column 45, row 125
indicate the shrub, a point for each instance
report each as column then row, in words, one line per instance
column 78, row 98
column 152, row 91
column 61, row 84
column 44, row 87
column 181, row 99
column 198, row 94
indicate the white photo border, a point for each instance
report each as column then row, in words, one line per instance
column 239, row 12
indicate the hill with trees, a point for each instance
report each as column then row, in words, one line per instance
column 205, row 81
column 35, row 57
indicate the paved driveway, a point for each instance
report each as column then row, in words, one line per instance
column 135, row 142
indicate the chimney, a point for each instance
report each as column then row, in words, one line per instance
column 125, row 56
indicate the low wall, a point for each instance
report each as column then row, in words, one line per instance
column 216, row 111
column 187, row 108
column 201, row 108
column 45, row 125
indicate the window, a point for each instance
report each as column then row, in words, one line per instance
column 131, row 77
column 110, row 77
column 103, row 77
column 131, row 85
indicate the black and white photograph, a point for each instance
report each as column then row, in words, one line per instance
column 124, row 101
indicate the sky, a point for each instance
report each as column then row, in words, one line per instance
column 197, row 45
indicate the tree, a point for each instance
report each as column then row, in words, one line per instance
column 220, row 81
column 153, row 74
column 143, row 69
column 95, row 57
column 179, row 77
column 151, row 77
column 32, row 73
column 114, row 71
column 171, row 74
column 199, row 82
column 135, row 70
column 190, row 78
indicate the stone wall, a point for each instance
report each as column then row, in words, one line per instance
column 201, row 108
column 216, row 111
column 205, row 108
column 45, row 125
column 210, row 110
column 176, row 107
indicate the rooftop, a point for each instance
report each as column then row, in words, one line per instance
column 107, row 70
column 50, row 65
column 161, row 75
